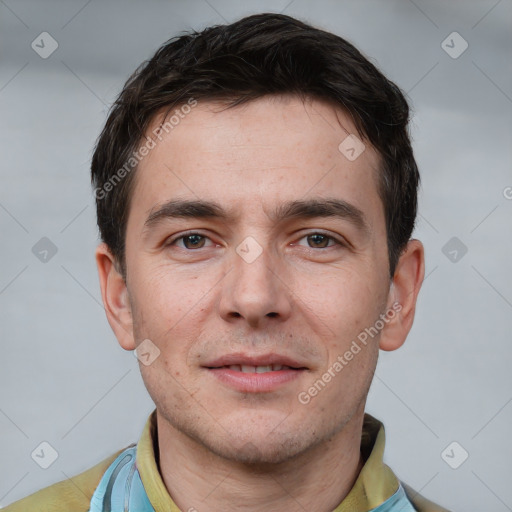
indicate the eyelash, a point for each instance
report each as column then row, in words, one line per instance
column 192, row 233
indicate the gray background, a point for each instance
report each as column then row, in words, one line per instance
column 65, row 380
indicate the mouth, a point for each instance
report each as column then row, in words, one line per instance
column 255, row 374
column 255, row 363
column 244, row 368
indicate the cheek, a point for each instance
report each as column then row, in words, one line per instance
column 163, row 294
column 160, row 315
column 172, row 309
column 344, row 301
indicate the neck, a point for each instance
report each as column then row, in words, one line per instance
column 317, row 480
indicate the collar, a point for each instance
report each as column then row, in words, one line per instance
column 374, row 485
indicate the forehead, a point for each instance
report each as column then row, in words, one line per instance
column 273, row 148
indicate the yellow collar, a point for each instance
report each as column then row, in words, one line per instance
column 374, row 485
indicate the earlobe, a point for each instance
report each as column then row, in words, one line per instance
column 115, row 297
column 403, row 295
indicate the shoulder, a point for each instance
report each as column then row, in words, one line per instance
column 421, row 504
column 71, row 495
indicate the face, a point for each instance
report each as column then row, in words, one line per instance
column 256, row 255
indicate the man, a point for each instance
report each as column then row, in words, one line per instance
column 256, row 194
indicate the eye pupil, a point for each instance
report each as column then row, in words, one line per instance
column 318, row 239
column 195, row 240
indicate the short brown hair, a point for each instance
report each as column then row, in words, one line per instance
column 259, row 55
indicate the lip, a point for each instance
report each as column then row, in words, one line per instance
column 255, row 382
column 255, row 360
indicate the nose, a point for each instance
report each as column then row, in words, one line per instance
column 256, row 291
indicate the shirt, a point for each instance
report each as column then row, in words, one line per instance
column 375, row 484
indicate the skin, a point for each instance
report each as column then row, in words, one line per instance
column 304, row 296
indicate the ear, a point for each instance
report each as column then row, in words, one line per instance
column 403, row 294
column 115, row 297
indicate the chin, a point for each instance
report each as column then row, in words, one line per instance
column 260, row 452
column 270, row 442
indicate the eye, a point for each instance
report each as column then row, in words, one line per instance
column 321, row 240
column 191, row 241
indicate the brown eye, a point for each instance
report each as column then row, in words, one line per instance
column 191, row 241
column 318, row 240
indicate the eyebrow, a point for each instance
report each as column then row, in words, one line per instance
column 298, row 209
